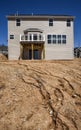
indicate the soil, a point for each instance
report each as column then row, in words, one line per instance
column 40, row 95
column 3, row 57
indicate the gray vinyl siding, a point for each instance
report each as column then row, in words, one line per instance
column 52, row 51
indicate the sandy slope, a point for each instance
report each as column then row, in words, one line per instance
column 3, row 57
column 40, row 95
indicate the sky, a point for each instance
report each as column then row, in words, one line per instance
column 55, row 7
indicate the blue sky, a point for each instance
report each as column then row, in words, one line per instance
column 62, row 7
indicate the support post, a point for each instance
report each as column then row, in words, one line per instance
column 21, row 51
column 43, row 51
column 32, row 51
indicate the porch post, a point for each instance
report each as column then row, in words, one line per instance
column 21, row 51
column 32, row 51
column 43, row 51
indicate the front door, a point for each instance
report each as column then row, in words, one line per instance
column 36, row 54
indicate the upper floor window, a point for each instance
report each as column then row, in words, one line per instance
column 35, row 37
column 68, row 23
column 18, row 22
column 30, row 37
column 40, row 37
column 50, row 22
column 11, row 36
column 26, row 37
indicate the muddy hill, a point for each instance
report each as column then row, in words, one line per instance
column 40, row 95
column 3, row 57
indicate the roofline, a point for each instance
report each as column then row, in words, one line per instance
column 39, row 16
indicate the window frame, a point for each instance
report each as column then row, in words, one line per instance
column 68, row 23
column 11, row 36
column 59, row 39
column 49, row 38
column 50, row 22
column 64, row 39
column 18, row 22
column 40, row 37
column 30, row 37
column 56, row 39
column 35, row 37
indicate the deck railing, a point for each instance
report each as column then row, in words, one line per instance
column 32, row 37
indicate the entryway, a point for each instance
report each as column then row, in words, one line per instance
column 35, row 54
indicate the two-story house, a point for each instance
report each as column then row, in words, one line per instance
column 40, row 37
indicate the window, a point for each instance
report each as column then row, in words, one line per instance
column 30, row 37
column 49, row 39
column 50, row 22
column 54, row 39
column 68, row 23
column 59, row 39
column 35, row 37
column 40, row 37
column 11, row 36
column 18, row 22
column 26, row 37
column 64, row 39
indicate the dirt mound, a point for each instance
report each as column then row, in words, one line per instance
column 40, row 95
column 3, row 57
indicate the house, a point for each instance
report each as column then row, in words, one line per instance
column 77, row 52
column 40, row 37
column 4, row 50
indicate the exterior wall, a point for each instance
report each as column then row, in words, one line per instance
column 61, row 51
column 52, row 51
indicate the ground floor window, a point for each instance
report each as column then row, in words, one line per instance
column 64, row 39
column 49, row 39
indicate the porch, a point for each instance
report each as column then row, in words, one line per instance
column 32, row 51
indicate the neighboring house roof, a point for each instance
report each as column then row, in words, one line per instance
column 77, row 52
column 33, row 30
column 77, row 48
column 44, row 16
column 3, row 48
